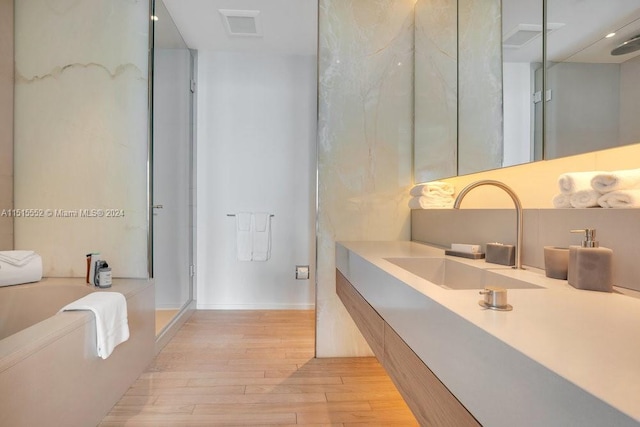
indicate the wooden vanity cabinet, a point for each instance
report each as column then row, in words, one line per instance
column 430, row 401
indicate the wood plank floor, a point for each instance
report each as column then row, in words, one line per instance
column 163, row 318
column 257, row 368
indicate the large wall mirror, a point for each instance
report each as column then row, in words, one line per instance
column 479, row 82
column 593, row 76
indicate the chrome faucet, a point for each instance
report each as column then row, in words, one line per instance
column 516, row 202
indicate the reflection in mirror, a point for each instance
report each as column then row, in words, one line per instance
column 522, row 81
column 479, row 86
column 474, row 103
column 435, row 90
column 593, row 97
column 171, row 158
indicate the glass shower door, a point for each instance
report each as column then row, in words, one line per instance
column 172, row 169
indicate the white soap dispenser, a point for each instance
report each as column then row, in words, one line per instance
column 590, row 266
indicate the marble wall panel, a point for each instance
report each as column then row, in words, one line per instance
column 6, row 122
column 81, row 133
column 479, row 86
column 364, row 144
column 436, row 89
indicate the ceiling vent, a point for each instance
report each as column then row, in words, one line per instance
column 524, row 33
column 241, row 22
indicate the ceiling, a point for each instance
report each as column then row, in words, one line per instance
column 288, row 26
column 577, row 29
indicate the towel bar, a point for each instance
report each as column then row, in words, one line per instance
column 272, row 215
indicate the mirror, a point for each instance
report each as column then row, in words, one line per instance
column 435, row 153
column 473, row 93
column 491, row 117
column 479, row 86
column 593, row 76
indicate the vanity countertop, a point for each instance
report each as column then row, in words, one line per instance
column 562, row 357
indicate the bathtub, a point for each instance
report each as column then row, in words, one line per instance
column 50, row 373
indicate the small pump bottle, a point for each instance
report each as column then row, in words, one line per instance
column 590, row 266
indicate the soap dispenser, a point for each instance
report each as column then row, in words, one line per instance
column 590, row 266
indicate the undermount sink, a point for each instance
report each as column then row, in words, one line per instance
column 450, row 274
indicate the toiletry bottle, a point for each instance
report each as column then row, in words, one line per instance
column 590, row 266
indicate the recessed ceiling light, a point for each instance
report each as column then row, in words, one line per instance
column 610, row 35
column 154, row 18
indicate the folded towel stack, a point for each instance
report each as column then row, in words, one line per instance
column 431, row 195
column 617, row 189
column 18, row 267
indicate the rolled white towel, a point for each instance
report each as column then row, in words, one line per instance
column 435, row 187
column 423, row 202
column 572, row 182
column 562, row 201
column 585, row 199
column 627, row 179
column 620, row 199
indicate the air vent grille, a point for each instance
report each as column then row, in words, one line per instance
column 242, row 22
column 524, row 33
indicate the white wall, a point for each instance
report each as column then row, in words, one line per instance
column 584, row 110
column 256, row 145
column 629, row 102
column 517, row 102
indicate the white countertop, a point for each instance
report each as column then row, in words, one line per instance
column 562, row 356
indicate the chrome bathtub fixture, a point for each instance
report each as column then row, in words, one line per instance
column 516, row 202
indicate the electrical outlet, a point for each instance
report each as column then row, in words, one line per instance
column 302, row 272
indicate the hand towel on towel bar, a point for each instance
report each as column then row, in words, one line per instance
column 110, row 311
column 261, row 236
column 243, row 236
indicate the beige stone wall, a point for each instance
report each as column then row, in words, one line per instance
column 6, row 122
column 364, row 144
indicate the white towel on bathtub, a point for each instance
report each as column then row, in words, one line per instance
column 17, row 258
column 110, row 310
column 31, row 271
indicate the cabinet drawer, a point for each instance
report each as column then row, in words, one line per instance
column 430, row 401
column 366, row 318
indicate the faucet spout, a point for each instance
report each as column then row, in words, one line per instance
column 516, row 202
